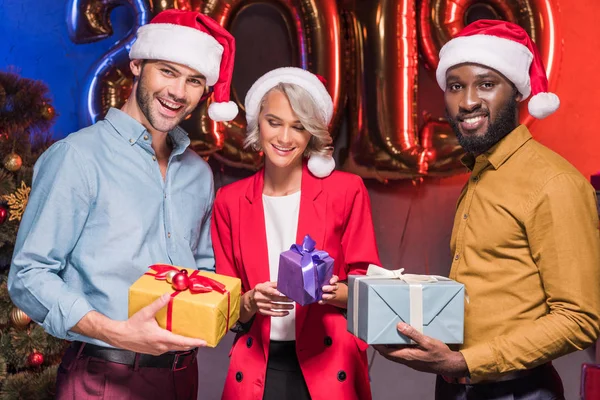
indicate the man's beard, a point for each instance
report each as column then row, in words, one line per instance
column 498, row 129
column 144, row 100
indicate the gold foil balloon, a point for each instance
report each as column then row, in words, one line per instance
column 387, row 38
column 440, row 20
column 157, row 6
column 372, row 54
column 315, row 30
column 18, row 318
column 109, row 82
column 316, row 37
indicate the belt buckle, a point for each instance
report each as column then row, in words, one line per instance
column 183, row 356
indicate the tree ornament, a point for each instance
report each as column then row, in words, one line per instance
column 170, row 275
column 181, row 281
column 18, row 201
column 48, row 111
column 18, row 318
column 13, row 162
column 3, row 214
column 35, row 359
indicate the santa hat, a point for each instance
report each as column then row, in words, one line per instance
column 197, row 41
column 508, row 49
column 318, row 164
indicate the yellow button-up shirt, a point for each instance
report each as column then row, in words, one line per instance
column 525, row 244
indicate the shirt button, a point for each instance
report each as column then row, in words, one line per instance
column 130, row 140
column 153, row 158
column 475, row 178
column 169, row 236
column 239, row 376
column 145, row 137
column 465, row 216
column 456, row 257
column 165, row 195
column 249, row 342
column 328, row 341
column 341, row 376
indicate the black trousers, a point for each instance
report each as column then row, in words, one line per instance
column 284, row 380
column 543, row 383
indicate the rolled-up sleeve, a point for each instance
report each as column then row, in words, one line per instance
column 54, row 218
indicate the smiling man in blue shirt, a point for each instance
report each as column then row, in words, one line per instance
column 116, row 197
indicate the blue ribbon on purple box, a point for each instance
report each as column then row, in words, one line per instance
column 316, row 267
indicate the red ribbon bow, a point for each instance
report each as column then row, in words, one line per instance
column 198, row 284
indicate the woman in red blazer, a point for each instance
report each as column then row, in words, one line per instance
column 284, row 350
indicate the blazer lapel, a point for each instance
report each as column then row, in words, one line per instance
column 312, row 220
column 253, row 245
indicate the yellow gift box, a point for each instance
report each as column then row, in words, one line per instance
column 204, row 315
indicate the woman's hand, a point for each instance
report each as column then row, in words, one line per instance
column 265, row 299
column 335, row 293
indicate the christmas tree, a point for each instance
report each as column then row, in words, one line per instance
column 28, row 356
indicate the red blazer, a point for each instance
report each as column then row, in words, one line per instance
column 335, row 211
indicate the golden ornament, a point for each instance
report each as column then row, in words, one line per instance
column 13, row 162
column 48, row 111
column 17, row 201
column 18, row 318
column 169, row 276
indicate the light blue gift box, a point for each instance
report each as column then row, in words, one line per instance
column 377, row 302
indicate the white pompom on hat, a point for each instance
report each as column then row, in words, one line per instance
column 193, row 39
column 508, row 49
column 319, row 165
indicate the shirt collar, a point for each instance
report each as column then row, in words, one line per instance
column 131, row 130
column 181, row 141
column 502, row 150
column 125, row 125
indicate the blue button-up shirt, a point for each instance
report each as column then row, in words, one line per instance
column 99, row 213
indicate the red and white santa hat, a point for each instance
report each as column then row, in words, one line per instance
column 197, row 41
column 508, row 49
column 320, row 165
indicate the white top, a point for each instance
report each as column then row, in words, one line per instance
column 281, row 222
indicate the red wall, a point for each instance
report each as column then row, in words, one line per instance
column 571, row 131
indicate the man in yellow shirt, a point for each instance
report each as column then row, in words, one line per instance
column 525, row 241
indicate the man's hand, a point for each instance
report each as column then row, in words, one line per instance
column 140, row 333
column 429, row 355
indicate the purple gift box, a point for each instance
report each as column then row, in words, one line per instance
column 303, row 271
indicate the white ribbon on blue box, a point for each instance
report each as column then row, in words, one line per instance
column 433, row 305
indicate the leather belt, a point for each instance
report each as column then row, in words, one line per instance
column 174, row 361
column 505, row 377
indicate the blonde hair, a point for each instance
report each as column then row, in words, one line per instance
column 307, row 112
